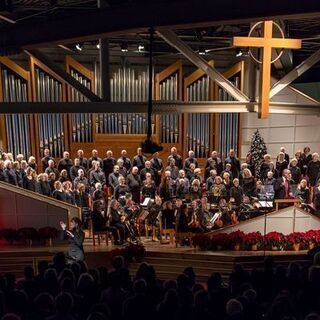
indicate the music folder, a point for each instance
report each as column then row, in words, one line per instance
column 146, row 202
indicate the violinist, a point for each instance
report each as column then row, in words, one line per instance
column 225, row 210
column 154, row 216
column 116, row 220
column 184, row 224
column 131, row 211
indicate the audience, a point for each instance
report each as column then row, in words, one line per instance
column 72, row 291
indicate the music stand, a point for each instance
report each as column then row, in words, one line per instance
column 265, row 199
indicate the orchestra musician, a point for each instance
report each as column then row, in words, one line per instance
column 101, row 223
column 217, row 191
column 154, row 216
column 116, row 220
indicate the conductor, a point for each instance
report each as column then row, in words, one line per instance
column 76, row 237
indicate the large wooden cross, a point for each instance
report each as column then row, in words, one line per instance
column 267, row 43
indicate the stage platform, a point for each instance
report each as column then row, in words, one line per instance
column 168, row 260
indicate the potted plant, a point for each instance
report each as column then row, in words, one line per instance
column 28, row 234
column 219, row 241
column 312, row 237
column 275, row 240
column 236, row 240
column 253, row 240
column 295, row 240
column 203, row 241
column 47, row 234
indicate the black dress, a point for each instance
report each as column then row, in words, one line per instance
column 59, row 195
column 30, row 184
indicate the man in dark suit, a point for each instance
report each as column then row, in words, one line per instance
column 174, row 155
column 283, row 186
column 45, row 159
column 235, row 164
column 157, row 166
column 139, row 160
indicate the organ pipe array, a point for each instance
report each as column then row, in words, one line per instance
column 169, row 124
column 198, row 126
column 50, row 126
column 126, row 85
column 15, row 89
column 228, row 124
column 81, row 122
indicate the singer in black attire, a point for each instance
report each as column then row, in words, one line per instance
column 76, row 238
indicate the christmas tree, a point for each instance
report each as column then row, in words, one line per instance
column 258, row 149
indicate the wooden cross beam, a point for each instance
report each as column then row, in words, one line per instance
column 266, row 43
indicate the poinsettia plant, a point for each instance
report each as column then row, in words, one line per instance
column 203, row 241
column 295, row 237
column 236, row 237
column 275, row 239
column 253, row 238
column 312, row 236
column 219, row 241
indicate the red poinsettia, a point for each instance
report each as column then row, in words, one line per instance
column 219, row 241
column 295, row 237
column 253, row 238
column 312, row 236
column 203, row 241
column 236, row 237
column 275, row 239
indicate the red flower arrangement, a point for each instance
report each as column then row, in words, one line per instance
column 272, row 240
column 203, row 241
column 312, row 236
column 219, row 241
column 253, row 238
column 47, row 233
column 295, row 237
column 275, row 239
column 235, row 238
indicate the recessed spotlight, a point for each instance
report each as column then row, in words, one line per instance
column 141, row 47
column 79, row 46
column 202, row 52
column 124, row 47
column 239, row 52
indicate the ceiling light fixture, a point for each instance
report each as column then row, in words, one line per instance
column 79, row 46
column 141, row 47
column 124, row 47
column 202, row 52
column 239, row 52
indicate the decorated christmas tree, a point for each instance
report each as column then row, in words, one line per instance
column 258, row 149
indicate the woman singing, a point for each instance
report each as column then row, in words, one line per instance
column 76, row 238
